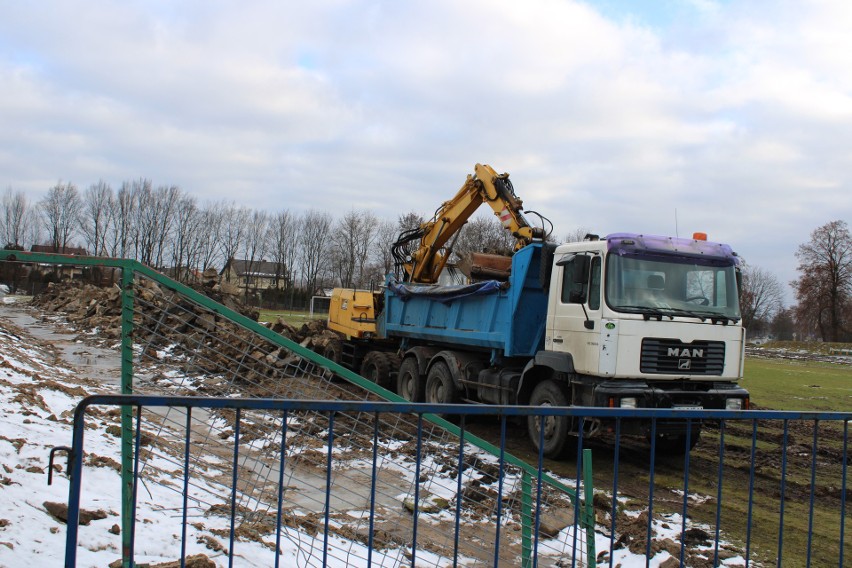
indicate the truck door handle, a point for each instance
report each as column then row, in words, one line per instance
column 557, row 340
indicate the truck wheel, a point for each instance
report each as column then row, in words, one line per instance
column 556, row 428
column 408, row 383
column 376, row 368
column 440, row 387
column 393, row 360
column 333, row 351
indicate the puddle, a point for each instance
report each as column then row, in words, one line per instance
column 93, row 362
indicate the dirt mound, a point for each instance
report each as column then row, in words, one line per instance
column 166, row 321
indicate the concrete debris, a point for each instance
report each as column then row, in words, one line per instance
column 183, row 325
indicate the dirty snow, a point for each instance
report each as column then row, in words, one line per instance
column 38, row 394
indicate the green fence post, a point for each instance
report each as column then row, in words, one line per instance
column 589, row 508
column 526, row 520
column 126, row 415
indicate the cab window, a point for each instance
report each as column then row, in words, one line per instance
column 581, row 280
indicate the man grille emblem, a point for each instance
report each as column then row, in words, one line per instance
column 684, row 364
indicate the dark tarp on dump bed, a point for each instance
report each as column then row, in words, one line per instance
column 446, row 294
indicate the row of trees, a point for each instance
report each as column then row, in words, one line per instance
column 166, row 228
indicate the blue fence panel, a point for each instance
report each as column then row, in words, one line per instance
column 762, row 488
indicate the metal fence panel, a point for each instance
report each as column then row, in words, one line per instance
column 375, row 498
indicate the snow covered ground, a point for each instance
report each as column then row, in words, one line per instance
column 38, row 393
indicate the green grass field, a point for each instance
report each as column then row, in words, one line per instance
column 293, row 317
column 781, row 384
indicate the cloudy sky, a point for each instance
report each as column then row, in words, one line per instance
column 665, row 117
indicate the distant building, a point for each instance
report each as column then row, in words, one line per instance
column 255, row 276
column 64, row 271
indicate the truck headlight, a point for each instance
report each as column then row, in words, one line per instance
column 628, row 402
column 734, row 404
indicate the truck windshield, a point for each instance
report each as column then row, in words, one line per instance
column 672, row 285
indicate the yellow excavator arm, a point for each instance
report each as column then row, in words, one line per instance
column 425, row 263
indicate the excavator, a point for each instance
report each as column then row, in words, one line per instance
column 421, row 254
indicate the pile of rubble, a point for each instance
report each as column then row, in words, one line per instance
column 163, row 319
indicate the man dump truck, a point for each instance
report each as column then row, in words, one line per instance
column 624, row 321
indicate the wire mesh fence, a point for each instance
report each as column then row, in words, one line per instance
column 351, row 487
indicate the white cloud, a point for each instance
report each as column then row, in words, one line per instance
column 737, row 114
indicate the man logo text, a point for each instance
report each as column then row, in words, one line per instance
column 686, row 352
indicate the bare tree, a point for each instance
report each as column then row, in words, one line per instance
column 32, row 227
column 313, row 246
column 153, row 220
column 185, row 240
column 363, row 242
column 96, row 217
column 483, row 234
column 60, row 210
column 121, row 235
column 284, row 245
column 207, row 235
column 143, row 223
column 15, row 209
column 255, row 244
column 381, row 264
column 824, row 287
column 409, row 221
column 351, row 239
column 166, row 200
column 576, row 236
column 761, row 297
column 232, row 231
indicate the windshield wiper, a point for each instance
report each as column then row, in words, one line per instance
column 714, row 317
column 646, row 311
column 689, row 313
column 659, row 313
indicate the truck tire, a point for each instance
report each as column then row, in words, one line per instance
column 440, row 387
column 333, row 351
column 408, row 383
column 556, row 428
column 393, row 360
column 376, row 368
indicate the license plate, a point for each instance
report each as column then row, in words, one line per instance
column 688, row 407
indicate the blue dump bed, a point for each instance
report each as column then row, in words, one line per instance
column 508, row 317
